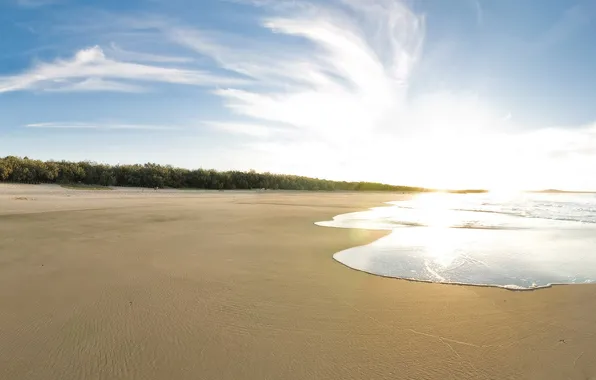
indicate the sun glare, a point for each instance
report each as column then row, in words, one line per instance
column 435, row 208
column 456, row 160
column 504, row 193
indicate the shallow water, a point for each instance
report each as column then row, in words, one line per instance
column 522, row 241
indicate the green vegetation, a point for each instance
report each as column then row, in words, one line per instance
column 25, row 170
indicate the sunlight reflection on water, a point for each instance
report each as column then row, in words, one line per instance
column 477, row 240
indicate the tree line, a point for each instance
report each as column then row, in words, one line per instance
column 25, row 170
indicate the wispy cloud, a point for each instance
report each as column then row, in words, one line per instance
column 128, row 55
column 340, row 84
column 479, row 11
column 89, row 67
column 250, row 129
column 571, row 22
column 104, row 126
column 93, row 84
column 328, row 93
column 37, row 3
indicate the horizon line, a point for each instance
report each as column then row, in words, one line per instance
column 413, row 187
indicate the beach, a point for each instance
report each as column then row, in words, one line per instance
column 144, row 284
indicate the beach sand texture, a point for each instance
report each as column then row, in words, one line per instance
column 132, row 284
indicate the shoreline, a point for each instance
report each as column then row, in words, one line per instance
column 363, row 257
column 512, row 288
column 204, row 286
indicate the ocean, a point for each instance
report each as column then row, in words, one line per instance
column 516, row 241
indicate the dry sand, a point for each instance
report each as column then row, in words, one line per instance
column 241, row 285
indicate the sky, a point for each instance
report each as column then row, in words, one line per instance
column 449, row 94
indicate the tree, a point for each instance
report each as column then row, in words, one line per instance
column 151, row 175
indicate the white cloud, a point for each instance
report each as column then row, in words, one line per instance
column 93, row 84
column 36, row 3
column 267, row 62
column 343, row 80
column 338, row 85
column 128, row 55
column 479, row 11
column 105, row 126
column 328, row 94
column 92, row 64
column 248, row 129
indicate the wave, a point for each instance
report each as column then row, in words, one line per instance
column 525, row 215
column 451, row 245
column 389, row 225
column 512, row 287
column 466, row 226
column 521, row 213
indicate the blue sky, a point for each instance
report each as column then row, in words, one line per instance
column 462, row 93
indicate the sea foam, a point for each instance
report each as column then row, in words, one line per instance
column 462, row 239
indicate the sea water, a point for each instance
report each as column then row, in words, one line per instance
column 516, row 241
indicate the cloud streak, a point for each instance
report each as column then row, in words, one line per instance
column 328, row 93
column 101, row 126
column 36, row 3
column 343, row 83
column 332, row 79
column 479, row 11
column 251, row 129
column 127, row 55
column 92, row 85
column 91, row 69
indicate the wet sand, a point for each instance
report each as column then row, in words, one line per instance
column 131, row 284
